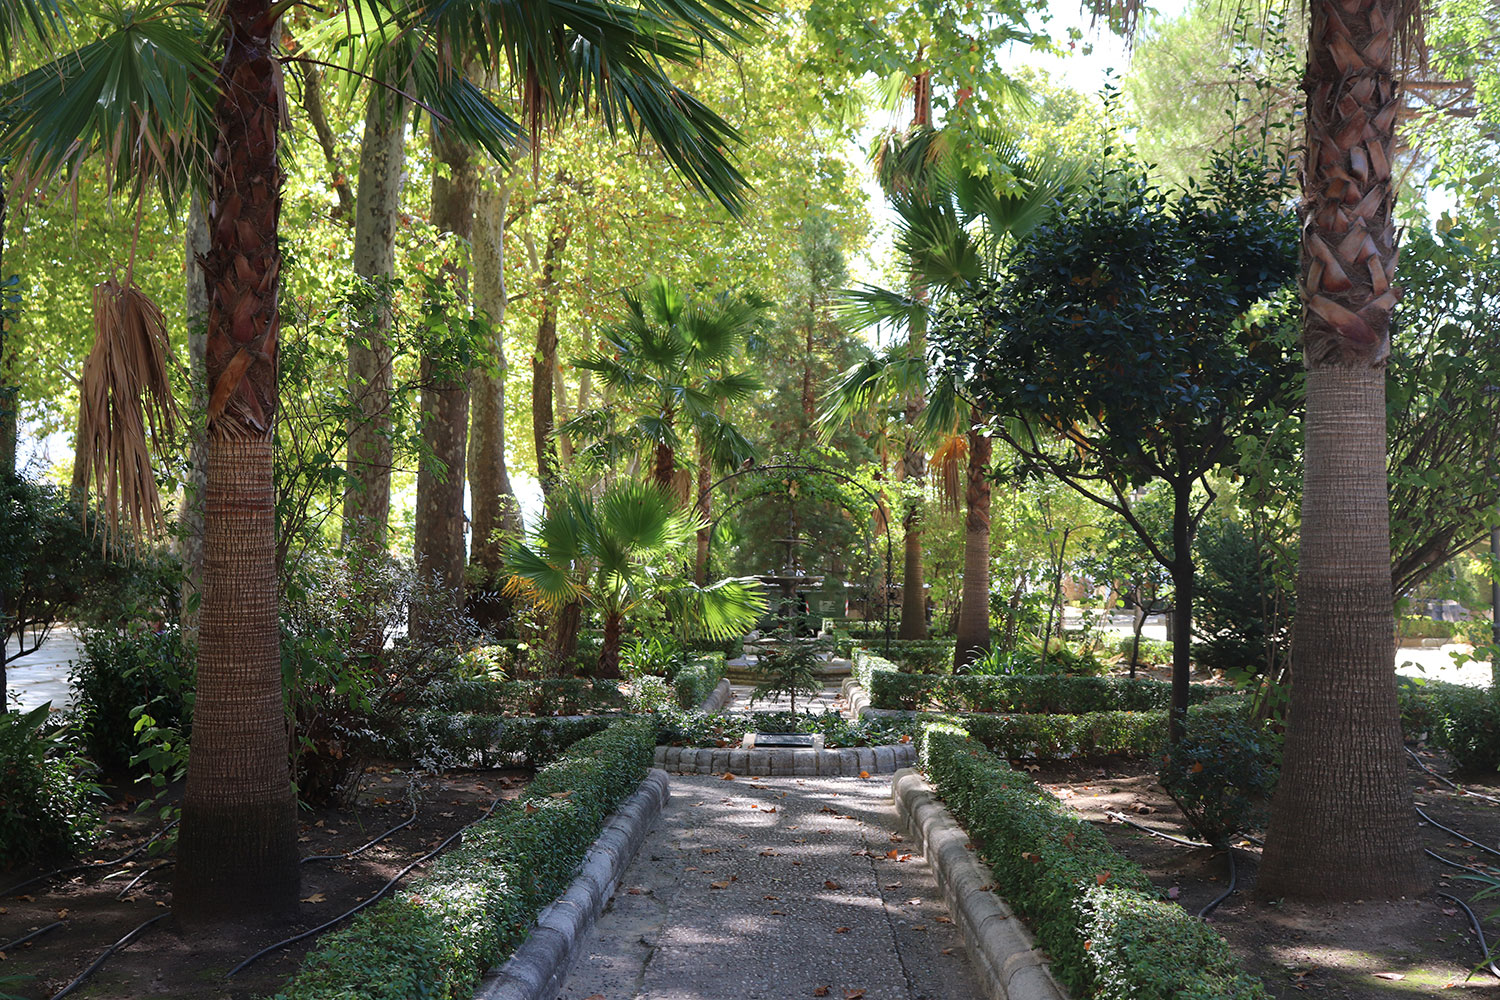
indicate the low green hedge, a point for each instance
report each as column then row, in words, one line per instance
column 436, row 937
column 1110, row 935
column 1152, row 651
column 731, row 648
column 921, row 656
column 695, row 729
column 695, row 681
column 444, row 739
column 1042, row 693
column 1465, row 721
column 551, row 696
column 866, row 665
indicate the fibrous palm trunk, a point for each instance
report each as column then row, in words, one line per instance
column 190, row 521
column 439, row 542
column 1342, row 824
column 237, row 849
column 704, row 509
column 972, row 636
column 382, row 160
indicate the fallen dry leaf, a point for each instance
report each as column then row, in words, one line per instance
column 1103, row 877
column 1390, row 975
column 770, row 897
column 633, row 892
column 947, row 951
column 719, row 885
column 768, row 853
column 944, row 920
column 316, row 897
column 853, row 994
column 841, row 930
column 821, row 991
column 863, row 774
column 831, row 884
column 727, row 777
column 708, row 850
column 892, row 853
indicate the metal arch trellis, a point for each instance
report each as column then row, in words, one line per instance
column 822, row 471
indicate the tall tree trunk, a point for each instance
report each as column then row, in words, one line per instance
column 382, row 162
column 972, row 635
column 564, row 414
column 190, row 522
column 1342, row 824
column 8, row 400
column 664, row 466
column 705, row 506
column 237, row 847
column 1182, row 607
column 544, row 361
column 914, row 462
column 496, row 513
column 440, row 553
column 609, row 649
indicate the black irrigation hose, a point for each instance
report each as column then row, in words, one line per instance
column 1450, row 783
column 140, row 875
column 1229, row 854
column 79, row 868
column 1454, row 864
column 1489, row 963
column 93, row 968
column 1155, row 833
column 1448, row 829
column 349, row 854
column 34, row 934
column 383, row 890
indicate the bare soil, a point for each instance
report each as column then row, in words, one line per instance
column 1360, row 951
column 163, row 961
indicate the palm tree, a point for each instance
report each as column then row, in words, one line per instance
column 141, row 95
column 620, row 551
column 1342, row 824
column 954, row 227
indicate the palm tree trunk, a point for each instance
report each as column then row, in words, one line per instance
column 705, row 510
column 1342, row 824
column 439, row 542
column 382, row 160
column 8, row 399
column 543, row 362
column 972, row 635
column 496, row 513
column 609, row 650
column 237, row 849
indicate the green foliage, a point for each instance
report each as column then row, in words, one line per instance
column 923, row 656
column 790, row 670
column 1222, row 773
column 122, row 674
column 436, row 937
column 1068, row 737
column 547, row 696
column 697, row 680
column 1152, row 652
column 695, row 729
column 1028, row 693
column 48, row 804
column 442, row 740
column 661, row 655
column 1465, row 721
column 1095, row 912
column 1242, row 606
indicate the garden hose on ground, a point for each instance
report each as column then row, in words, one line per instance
column 94, row 967
column 364, row 847
column 88, row 867
column 34, row 934
column 1121, row 817
column 1478, row 931
column 1454, row 864
column 140, row 875
column 1450, row 783
column 1214, row 903
column 383, row 890
column 1448, row 829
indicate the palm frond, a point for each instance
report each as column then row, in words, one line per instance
column 723, row 609
column 948, row 460
column 869, row 306
column 141, row 96
column 532, row 573
column 125, row 409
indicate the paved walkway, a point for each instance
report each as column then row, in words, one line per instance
column 773, row 889
column 43, row 676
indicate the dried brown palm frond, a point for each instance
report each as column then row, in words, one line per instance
column 948, row 461
column 125, row 410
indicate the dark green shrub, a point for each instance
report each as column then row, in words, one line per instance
column 1221, row 773
column 789, row 671
column 922, row 656
column 1242, row 602
column 48, row 805
column 1095, row 912
column 549, row 696
column 1092, row 734
column 695, row 729
column 436, row 937
column 696, row 681
column 441, row 740
column 1153, row 652
column 1465, row 721
column 121, row 673
column 1041, row 693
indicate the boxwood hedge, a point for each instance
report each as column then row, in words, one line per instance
column 436, row 937
column 1110, row 935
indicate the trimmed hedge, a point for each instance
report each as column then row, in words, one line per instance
column 1040, row 693
column 1465, row 721
column 731, row 648
column 477, row 739
column 1096, row 913
column 438, row 936
column 695, row 681
column 551, row 696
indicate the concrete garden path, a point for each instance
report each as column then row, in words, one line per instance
column 782, row 888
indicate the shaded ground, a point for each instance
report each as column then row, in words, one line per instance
column 762, row 888
column 164, row 963
column 1366, row 951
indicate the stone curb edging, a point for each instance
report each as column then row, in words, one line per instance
column 720, row 697
column 857, row 697
column 1003, row 951
column 790, row 763
column 539, row 966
